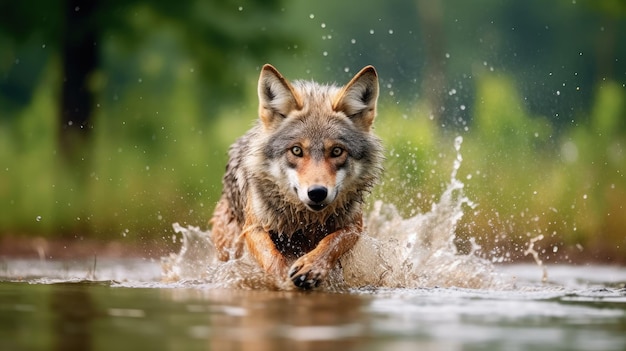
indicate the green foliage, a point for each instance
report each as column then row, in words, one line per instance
column 530, row 182
column 594, row 158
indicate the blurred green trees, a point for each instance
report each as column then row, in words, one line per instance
column 535, row 88
column 77, row 34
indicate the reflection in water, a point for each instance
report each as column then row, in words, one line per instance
column 73, row 314
column 276, row 320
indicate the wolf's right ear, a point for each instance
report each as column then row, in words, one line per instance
column 277, row 98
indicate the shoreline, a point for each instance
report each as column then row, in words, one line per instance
column 17, row 247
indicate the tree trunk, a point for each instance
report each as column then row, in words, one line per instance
column 430, row 17
column 79, row 56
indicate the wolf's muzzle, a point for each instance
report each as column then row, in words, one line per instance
column 317, row 193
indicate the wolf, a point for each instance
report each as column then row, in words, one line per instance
column 294, row 185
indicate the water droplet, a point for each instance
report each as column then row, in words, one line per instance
column 457, row 143
column 311, row 16
column 38, row 218
column 323, row 25
column 353, row 41
column 371, row 31
column 240, row 8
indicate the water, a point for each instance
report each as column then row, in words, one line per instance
column 403, row 287
column 69, row 305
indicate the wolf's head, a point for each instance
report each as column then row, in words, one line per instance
column 319, row 149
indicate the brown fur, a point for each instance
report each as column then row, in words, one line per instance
column 294, row 184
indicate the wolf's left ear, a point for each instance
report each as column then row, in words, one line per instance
column 358, row 98
column 277, row 98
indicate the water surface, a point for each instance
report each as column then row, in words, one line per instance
column 47, row 305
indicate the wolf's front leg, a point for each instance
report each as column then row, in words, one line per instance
column 309, row 270
column 262, row 248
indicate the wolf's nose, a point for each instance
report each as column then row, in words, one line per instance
column 317, row 193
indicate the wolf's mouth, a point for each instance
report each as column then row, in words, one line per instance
column 316, row 207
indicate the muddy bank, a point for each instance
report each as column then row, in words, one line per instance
column 44, row 248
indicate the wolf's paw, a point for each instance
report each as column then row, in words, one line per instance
column 306, row 275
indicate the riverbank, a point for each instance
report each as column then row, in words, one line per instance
column 82, row 248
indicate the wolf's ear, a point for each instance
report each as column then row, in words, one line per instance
column 276, row 96
column 358, row 98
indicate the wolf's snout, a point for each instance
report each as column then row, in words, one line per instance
column 317, row 193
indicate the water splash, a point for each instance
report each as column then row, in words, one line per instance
column 531, row 251
column 418, row 251
column 197, row 262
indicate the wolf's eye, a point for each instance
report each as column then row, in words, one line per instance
column 336, row 151
column 296, row 151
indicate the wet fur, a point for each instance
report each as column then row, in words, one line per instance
column 260, row 207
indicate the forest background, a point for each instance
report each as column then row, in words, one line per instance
column 116, row 116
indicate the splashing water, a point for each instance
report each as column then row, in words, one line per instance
column 394, row 252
